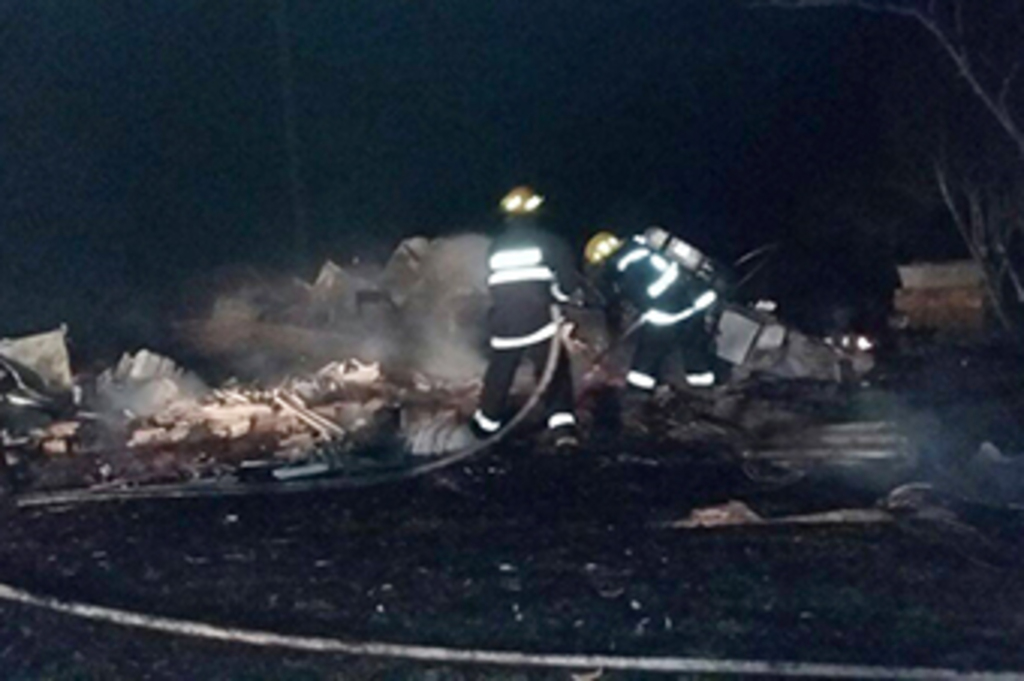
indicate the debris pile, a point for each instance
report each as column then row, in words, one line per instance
column 149, row 421
column 366, row 366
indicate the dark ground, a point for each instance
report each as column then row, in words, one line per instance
column 536, row 554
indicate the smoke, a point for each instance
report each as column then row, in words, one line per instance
column 423, row 311
column 144, row 384
column 446, row 310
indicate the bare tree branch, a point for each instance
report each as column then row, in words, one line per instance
column 929, row 19
column 964, row 226
column 983, row 214
column 959, row 57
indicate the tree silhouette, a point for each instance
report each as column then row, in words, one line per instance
column 982, row 191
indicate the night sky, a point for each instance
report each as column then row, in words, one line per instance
column 143, row 142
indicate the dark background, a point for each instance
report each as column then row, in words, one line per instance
column 143, row 144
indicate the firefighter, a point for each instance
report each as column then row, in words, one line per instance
column 529, row 272
column 672, row 284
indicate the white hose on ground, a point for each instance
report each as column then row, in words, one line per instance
column 440, row 654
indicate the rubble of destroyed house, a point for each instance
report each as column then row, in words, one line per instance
column 376, row 366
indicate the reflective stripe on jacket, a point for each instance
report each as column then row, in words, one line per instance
column 528, row 271
column 666, row 293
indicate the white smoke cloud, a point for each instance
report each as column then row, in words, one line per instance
column 424, row 311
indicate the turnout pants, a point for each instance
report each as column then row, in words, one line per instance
column 501, row 371
column 656, row 342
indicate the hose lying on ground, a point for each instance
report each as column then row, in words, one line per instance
column 505, row 658
column 221, row 488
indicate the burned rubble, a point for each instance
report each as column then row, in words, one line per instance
column 368, row 367
column 346, row 379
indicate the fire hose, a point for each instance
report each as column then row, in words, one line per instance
column 373, row 479
column 438, row 653
column 504, row 658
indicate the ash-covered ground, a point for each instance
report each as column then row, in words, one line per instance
column 519, row 551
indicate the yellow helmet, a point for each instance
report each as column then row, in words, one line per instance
column 600, row 247
column 521, row 201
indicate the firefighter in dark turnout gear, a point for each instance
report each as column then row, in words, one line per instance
column 672, row 284
column 530, row 271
